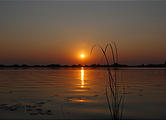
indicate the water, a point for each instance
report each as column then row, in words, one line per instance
column 79, row 93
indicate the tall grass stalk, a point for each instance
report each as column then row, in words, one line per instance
column 114, row 93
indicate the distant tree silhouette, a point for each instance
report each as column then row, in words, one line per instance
column 53, row 65
column 24, row 65
column 15, row 65
column 2, row 65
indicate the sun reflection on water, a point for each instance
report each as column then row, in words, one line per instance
column 82, row 77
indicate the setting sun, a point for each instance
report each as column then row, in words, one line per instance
column 82, row 56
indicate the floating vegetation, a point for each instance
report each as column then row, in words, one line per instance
column 34, row 109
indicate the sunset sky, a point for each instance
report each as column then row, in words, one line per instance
column 40, row 32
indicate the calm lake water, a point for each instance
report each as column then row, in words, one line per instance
column 79, row 93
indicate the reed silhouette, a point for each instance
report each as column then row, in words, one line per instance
column 113, row 91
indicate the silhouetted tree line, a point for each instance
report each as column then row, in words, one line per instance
column 80, row 65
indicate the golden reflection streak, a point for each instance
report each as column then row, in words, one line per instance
column 82, row 77
column 79, row 100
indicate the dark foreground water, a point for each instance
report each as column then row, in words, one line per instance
column 79, row 93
